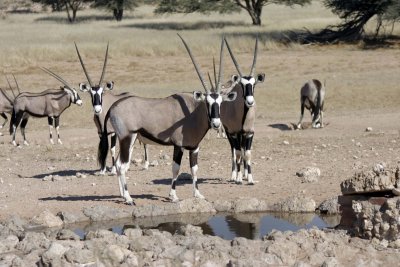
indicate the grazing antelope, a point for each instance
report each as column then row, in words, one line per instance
column 238, row 118
column 102, row 100
column 312, row 97
column 180, row 120
column 6, row 103
column 50, row 103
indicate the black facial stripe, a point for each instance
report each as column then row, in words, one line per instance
column 248, row 91
column 96, row 99
column 214, row 111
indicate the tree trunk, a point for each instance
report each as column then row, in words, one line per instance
column 68, row 14
column 118, row 14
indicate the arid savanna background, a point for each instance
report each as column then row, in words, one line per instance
column 147, row 58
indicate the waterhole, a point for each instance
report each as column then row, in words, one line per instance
column 226, row 226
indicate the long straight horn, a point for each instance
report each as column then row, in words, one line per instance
column 56, row 76
column 16, row 84
column 104, row 66
column 195, row 65
column 215, row 74
column 9, row 85
column 211, row 82
column 83, row 66
column 221, row 66
column 253, row 68
column 233, row 58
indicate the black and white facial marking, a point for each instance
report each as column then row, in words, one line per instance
column 213, row 101
column 248, row 85
column 75, row 98
column 96, row 93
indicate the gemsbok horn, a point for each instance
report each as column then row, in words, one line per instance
column 238, row 117
column 102, row 99
column 180, row 120
column 50, row 103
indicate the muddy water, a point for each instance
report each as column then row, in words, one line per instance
column 226, row 226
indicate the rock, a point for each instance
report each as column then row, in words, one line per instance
column 80, row 175
column 154, row 163
column 190, row 230
column 165, row 157
column 249, row 205
column 377, row 179
column 53, row 256
column 80, row 257
column 329, row 206
column 32, row 242
column 309, row 174
column 190, row 205
column 69, row 218
column 285, row 142
column 103, row 213
column 295, row 204
column 133, row 233
column 8, row 244
column 48, row 178
column 66, row 234
column 47, row 219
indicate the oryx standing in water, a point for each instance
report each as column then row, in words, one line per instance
column 180, row 120
column 50, row 103
column 312, row 97
column 102, row 100
column 238, row 118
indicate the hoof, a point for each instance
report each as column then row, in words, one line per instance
column 173, row 199
column 1, row 134
column 239, row 182
column 51, row 141
column 59, row 142
column 14, row 143
column 26, row 143
column 198, row 195
column 130, row 202
column 113, row 171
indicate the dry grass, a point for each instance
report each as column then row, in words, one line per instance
column 147, row 58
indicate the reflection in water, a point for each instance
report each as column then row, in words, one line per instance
column 248, row 225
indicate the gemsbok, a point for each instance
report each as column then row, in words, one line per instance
column 50, row 103
column 180, row 120
column 102, row 100
column 312, row 97
column 6, row 104
column 238, row 118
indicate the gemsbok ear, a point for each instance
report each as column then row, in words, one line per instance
column 260, row 77
column 198, row 96
column 83, row 87
column 235, row 78
column 110, row 85
column 231, row 96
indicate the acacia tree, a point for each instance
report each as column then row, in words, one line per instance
column 253, row 7
column 355, row 15
column 71, row 6
column 117, row 6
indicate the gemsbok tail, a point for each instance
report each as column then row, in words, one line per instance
column 103, row 146
column 13, row 121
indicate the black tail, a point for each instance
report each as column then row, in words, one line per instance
column 13, row 121
column 103, row 146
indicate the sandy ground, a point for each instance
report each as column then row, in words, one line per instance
column 338, row 150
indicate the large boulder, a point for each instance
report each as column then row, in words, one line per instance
column 380, row 178
column 295, row 204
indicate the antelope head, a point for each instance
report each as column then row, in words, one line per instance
column 96, row 90
column 248, row 82
column 212, row 97
column 75, row 98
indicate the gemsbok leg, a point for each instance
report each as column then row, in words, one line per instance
column 122, row 164
column 302, row 106
column 193, row 156
column 248, row 140
column 24, row 122
column 176, row 165
column 50, row 122
column 57, row 125
column 5, row 120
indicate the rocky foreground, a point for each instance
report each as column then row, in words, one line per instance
column 368, row 234
column 188, row 247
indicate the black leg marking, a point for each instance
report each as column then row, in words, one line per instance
column 50, row 120
column 173, row 184
column 178, row 153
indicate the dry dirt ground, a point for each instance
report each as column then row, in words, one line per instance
column 364, row 92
